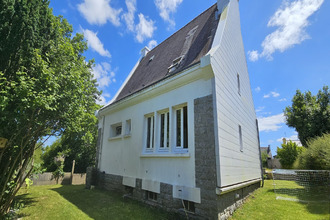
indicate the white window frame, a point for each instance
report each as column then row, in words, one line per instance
column 113, row 130
column 128, row 128
column 151, row 132
column 167, row 126
column 182, row 142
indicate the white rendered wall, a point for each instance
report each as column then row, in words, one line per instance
column 233, row 109
column 123, row 156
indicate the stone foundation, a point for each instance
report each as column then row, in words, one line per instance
column 221, row 207
column 229, row 202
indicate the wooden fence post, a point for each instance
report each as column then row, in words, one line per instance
column 72, row 170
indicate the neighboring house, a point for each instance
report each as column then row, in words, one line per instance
column 182, row 131
column 268, row 151
column 275, row 163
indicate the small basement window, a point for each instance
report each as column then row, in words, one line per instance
column 189, row 206
column 116, row 130
column 151, row 196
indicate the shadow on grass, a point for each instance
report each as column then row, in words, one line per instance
column 22, row 201
column 316, row 199
column 99, row 204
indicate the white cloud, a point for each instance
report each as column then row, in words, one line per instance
column 259, row 109
column 99, row 12
column 253, row 55
column 166, row 8
column 272, row 94
column 101, row 100
column 130, row 14
column 103, row 74
column 152, row 44
column 283, row 100
column 107, row 95
column 271, row 123
column 292, row 20
column 257, row 89
column 145, row 28
column 292, row 138
column 94, row 42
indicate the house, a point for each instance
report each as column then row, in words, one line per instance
column 181, row 133
column 268, row 151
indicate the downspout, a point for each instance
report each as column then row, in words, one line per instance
column 262, row 173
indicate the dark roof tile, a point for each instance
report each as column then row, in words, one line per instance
column 152, row 71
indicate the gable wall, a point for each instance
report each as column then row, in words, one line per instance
column 123, row 156
column 233, row 109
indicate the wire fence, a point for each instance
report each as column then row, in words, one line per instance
column 302, row 185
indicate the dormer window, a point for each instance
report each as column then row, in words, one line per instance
column 176, row 62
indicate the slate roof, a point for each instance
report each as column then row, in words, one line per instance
column 266, row 150
column 151, row 72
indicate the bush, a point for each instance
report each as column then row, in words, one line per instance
column 288, row 154
column 317, row 156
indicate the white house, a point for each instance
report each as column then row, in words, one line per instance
column 181, row 133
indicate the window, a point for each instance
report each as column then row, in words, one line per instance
column 151, row 196
column 150, row 132
column 116, row 130
column 181, row 127
column 128, row 127
column 164, row 130
column 189, row 206
column 238, row 84
column 240, row 137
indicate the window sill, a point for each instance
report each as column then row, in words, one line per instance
column 127, row 135
column 168, row 155
column 115, row 138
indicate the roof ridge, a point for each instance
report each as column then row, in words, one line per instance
column 182, row 27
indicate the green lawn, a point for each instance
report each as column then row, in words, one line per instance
column 264, row 205
column 75, row 202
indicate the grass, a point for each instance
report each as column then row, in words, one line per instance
column 75, row 202
column 264, row 205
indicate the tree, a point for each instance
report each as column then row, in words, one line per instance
column 264, row 159
column 288, row 154
column 78, row 145
column 317, row 156
column 309, row 115
column 46, row 86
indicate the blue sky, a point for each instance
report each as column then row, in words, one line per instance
column 287, row 46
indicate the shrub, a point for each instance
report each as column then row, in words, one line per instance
column 288, row 154
column 317, row 156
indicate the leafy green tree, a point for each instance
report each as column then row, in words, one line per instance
column 317, row 156
column 46, row 86
column 309, row 115
column 288, row 154
column 264, row 158
column 78, row 145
